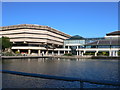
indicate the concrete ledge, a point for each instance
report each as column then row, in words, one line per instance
column 20, row 57
column 67, row 57
column 105, row 57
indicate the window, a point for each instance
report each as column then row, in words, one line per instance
column 103, row 46
column 116, row 46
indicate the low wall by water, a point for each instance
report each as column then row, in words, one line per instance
column 72, row 57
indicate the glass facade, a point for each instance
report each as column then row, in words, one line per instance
column 89, row 41
column 91, row 46
column 84, row 43
column 103, row 46
column 116, row 46
column 81, row 46
column 74, row 42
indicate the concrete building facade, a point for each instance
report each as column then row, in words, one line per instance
column 43, row 40
column 29, row 38
column 110, row 45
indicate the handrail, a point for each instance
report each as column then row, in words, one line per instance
column 62, row 78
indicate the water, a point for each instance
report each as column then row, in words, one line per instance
column 93, row 69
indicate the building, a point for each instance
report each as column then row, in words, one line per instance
column 113, row 35
column 43, row 40
column 76, row 42
column 109, row 46
column 34, row 39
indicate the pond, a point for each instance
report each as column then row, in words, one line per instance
column 92, row 69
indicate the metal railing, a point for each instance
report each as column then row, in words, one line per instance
column 62, row 78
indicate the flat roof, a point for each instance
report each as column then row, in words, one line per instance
column 113, row 33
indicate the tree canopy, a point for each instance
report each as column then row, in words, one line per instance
column 5, row 43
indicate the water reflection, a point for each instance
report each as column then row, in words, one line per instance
column 81, row 68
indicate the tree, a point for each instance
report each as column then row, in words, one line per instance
column 5, row 43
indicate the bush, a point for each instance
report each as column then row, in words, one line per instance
column 89, row 53
column 68, row 54
column 103, row 53
column 119, row 53
column 17, row 53
column 7, row 54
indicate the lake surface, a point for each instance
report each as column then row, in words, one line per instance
column 92, row 69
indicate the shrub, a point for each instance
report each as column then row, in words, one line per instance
column 103, row 53
column 89, row 53
column 68, row 54
column 17, row 53
column 119, row 53
column 7, row 54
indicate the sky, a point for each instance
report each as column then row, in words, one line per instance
column 87, row 19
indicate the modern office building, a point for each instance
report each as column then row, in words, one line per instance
column 29, row 38
column 76, row 42
column 37, row 40
column 109, row 46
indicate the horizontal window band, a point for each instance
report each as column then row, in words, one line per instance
column 33, row 33
column 35, row 38
column 38, row 29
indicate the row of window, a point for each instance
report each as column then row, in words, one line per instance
column 36, row 45
column 74, row 42
column 78, row 41
column 105, row 46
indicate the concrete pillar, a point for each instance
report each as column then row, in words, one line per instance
column 43, row 52
column 80, row 53
column 113, row 53
column 68, row 47
column 116, row 53
column 29, row 52
column 52, row 52
column 64, row 52
column 96, row 53
column 68, row 51
column 77, row 53
column 39, row 52
column 64, row 46
column 84, row 51
column 77, row 47
column 110, row 53
column 46, row 52
column 18, row 50
column 58, row 52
